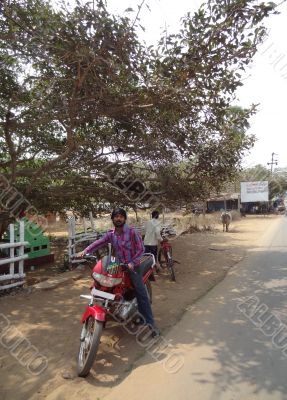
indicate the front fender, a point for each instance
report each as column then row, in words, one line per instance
column 96, row 311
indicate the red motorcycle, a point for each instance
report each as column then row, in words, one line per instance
column 112, row 294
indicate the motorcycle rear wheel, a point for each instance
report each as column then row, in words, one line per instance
column 89, row 345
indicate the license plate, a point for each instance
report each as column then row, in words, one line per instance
column 105, row 295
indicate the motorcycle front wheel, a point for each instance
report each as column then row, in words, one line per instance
column 90, row 340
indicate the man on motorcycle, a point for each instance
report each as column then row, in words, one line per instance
column 129, row 249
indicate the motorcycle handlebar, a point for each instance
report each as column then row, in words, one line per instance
column 90, row 257
column 124, row 267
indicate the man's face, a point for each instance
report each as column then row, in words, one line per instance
column 119, row 220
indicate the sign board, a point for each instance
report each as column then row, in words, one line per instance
column 254, row 191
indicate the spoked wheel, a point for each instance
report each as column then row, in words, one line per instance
column 160, row 258
column 90, row 340
column 169, row 263
column 149, row 290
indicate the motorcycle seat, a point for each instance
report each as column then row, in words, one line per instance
column 146, row 262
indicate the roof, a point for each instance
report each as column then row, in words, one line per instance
column 225, row 196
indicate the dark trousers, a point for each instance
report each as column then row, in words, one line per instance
column 152, row 250
column 144, row 306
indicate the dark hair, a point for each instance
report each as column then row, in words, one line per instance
column 155, row 214
column 120, row 211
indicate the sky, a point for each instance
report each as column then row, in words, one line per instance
column 265, row 82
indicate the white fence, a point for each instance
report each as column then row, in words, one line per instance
column 89, row 235
column 12, row 259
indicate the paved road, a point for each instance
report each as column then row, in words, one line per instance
column 226, row 357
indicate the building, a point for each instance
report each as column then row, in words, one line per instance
column 223, row 201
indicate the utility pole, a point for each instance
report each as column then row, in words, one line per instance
column 273, row 162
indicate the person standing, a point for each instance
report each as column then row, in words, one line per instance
column 152, row 235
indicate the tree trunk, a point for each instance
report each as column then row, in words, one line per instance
column 136, row 213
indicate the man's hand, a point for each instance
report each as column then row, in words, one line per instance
column 80, row 254
column 130, row 267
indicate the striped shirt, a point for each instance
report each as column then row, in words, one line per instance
column 128, row 245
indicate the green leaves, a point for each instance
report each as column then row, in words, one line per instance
column 80, row 86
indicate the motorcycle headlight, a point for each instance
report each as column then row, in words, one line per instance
column 106, row 281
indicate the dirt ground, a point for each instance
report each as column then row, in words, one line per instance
column 50, row 320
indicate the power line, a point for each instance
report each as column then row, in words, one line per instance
column 273, row 162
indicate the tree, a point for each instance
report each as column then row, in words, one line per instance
column 276, row 181
column 79, row 92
